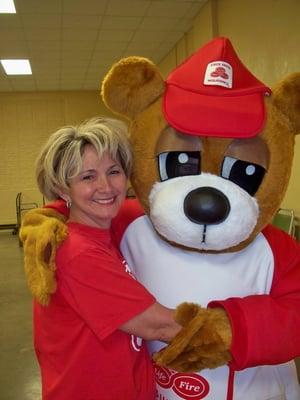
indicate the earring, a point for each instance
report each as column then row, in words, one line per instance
column 69, row 203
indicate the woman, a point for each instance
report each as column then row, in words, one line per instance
column 86, row 339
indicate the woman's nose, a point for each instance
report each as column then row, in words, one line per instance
column 103, row 183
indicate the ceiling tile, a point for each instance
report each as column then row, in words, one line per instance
column 133, row 8
column 72, row 85
column 169, row 9
column 13, row 49
column 78, row 46
column 47, row 76
column 22, row 83
column 10, row 33
column 148, row 36
column 98, row 62
column 95, row 71
column 50, row 55
column 193, row 10
column 139, row 47
column 52, row 21
column 81, row 21
column 38, row 6
column 43, row 34
column 70, row 75
column 127, row 23
column 172, row 37
column 71, row 44
column 116, row 35
column 72, row 57
column 79, row 34
column 86, row 7
column 75, row 68
column 113, row 46
column 38, row 47
column 159, row 23
column 10, row 20
column 48, row 86
column 45, row 69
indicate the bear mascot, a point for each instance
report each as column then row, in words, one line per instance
column 213, row 150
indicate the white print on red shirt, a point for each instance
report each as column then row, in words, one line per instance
column 136, row 342
column 186, row 386
column 127, row 269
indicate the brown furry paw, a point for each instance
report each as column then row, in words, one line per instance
column 42, row 231
column 204, row 342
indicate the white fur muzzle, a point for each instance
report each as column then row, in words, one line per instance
column 168, row 217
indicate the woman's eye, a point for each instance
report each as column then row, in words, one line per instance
column 245, row 174
column 178, row 163
column 115, row 171
column 87, row 177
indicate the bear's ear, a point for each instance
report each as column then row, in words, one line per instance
column 131, row 86
column 286, row 97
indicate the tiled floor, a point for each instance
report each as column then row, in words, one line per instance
column 19, row 373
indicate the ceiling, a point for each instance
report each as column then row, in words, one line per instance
column 72, row 43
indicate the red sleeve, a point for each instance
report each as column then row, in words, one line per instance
column 130, row 210
column 59, row 206
column 266, row 327
column 99, row 289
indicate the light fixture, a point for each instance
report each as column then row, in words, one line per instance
column 7, row 7
column 16, row 67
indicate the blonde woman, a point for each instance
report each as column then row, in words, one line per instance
column 86, row 339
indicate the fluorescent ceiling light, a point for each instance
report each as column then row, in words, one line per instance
column 16, row 67
column 7, row 7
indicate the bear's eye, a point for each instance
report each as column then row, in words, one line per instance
column 178, row 163
column 243, row 173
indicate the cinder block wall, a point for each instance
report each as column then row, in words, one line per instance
column 26, row 120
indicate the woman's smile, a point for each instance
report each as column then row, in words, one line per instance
column 98, row 191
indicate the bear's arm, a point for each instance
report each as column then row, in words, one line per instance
column 265, row 328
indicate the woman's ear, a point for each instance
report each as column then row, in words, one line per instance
column 63, row 195
column 67, row 199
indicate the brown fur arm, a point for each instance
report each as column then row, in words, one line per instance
column 203, row 342
column 42, row 231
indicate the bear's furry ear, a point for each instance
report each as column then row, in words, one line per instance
column 286, row 97
column 131, row 85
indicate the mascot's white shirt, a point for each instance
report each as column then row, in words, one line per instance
column 173, row 276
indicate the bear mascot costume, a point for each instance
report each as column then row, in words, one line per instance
column 213, row 150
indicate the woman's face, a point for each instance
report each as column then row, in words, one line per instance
column 98, row 191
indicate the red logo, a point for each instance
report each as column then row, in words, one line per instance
column 191, row 386
column 186, row 386
column 219, row 72
column 163, row 376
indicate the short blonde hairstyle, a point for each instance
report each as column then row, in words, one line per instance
column 61, row 157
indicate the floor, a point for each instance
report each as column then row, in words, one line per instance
column 19, row 373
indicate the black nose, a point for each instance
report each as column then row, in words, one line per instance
column 206, row 205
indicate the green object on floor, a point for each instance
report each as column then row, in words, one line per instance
column 284, row 219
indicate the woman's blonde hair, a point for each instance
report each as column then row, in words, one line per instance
column 61, row 157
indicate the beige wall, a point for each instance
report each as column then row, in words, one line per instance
column 266, row 35
column 26, row 120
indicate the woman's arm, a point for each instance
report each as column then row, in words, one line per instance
column 155, row 323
